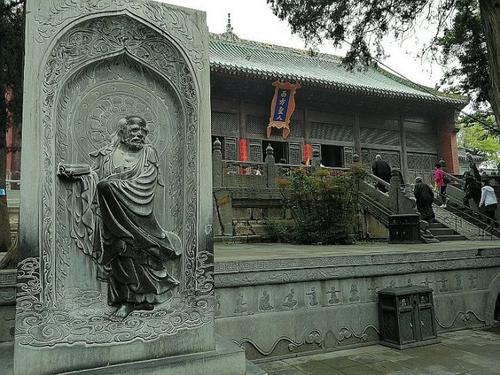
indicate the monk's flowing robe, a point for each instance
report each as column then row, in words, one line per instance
column 129, row 245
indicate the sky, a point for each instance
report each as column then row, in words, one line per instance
column 254, row 20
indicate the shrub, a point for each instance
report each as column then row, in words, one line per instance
column 323, row 207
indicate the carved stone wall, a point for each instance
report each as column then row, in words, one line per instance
column 279, row 307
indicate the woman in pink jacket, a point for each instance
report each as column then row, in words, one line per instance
column 439, row 179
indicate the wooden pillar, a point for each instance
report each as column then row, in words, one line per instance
column 307, row 127
column 356, row 135
column 403, row 153
column 306, row 133
column 242, row 129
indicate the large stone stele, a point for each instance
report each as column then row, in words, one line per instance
column 97, row 72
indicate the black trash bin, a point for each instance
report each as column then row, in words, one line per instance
column 406, row 317
column 404, row 228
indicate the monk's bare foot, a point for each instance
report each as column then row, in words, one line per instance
column 123, row 311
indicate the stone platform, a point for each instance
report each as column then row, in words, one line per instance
column 281, row 300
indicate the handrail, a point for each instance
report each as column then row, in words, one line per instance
column 249, row 163
column 378, row 180
column 454, row 178
column 475, row 217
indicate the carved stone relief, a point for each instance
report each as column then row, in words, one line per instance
column 313, row 297
column 354, row 293
column 173, row 20
column 116, row 65
column 290, row 302
column 333, row 294
column 264, row 301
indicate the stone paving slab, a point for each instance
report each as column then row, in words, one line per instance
column 467, row 352
column 264, row 251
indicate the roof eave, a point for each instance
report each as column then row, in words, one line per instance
column 255, row 73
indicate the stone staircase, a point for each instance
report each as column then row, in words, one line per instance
column 451, row 224
column 443, row 233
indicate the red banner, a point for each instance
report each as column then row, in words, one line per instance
column 282, row 107
column 243, row 150
column 307, row 154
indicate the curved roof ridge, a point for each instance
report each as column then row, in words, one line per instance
column 253, row 58
column 254, row 44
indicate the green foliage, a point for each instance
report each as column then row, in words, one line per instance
column 464, row 53
column 474, row 136
column 323, row 207
column 11, row 52
column 361, row 23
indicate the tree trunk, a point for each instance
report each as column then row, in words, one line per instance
column 490, row 18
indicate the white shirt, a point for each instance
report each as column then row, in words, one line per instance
column 488, row 196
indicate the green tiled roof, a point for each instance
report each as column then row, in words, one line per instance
column 237, row 56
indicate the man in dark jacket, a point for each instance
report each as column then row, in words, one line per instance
column 382, row 170
column 472, row 190
column 425, row 197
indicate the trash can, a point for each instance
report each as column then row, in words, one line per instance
column 406, row 317
column 404, row 228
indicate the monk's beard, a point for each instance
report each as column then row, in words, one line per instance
column 134, row 144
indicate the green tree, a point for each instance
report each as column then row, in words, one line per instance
column 474, row 136
column 363, row 24
column 11, row 73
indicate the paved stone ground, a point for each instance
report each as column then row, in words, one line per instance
column 474, row 352
column 461, row 352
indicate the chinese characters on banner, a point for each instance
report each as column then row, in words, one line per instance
column 282, row 107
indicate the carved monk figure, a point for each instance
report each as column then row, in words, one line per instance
column 115, row 223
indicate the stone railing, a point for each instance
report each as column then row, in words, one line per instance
column 240, row 174
column 256, row 175
column 12, row 184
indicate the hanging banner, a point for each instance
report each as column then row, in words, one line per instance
column 307, row 154
column 282, row 107
column 243, row 150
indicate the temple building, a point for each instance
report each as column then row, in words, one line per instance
column 337, row 112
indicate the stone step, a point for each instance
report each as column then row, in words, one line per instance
column 436, row 225
column 451, row 237
column 442, row 231
column 239, row 239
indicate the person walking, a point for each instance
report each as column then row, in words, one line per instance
column 382, row 170
column 472, row 189
column 441, row 183
column 489, row 202
column 424, row 197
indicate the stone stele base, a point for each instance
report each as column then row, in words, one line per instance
column 226, row 359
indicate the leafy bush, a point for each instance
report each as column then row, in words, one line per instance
column 323, row 207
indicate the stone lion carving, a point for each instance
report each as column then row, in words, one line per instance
column 114, row 222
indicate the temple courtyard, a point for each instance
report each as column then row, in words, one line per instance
column 461, row 352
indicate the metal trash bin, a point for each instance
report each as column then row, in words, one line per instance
column 404, row 228
column 406, row 317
